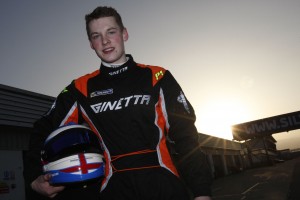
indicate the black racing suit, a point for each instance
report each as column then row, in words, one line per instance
column 147, row 130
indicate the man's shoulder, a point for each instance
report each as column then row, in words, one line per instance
column 85, row 77
column 81, row 82
column 157, row 71
column 152, row 67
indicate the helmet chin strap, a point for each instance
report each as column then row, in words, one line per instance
column 114, row 65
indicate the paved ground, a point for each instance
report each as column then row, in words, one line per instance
column 277, row 182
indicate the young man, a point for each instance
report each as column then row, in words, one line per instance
column 141, row 115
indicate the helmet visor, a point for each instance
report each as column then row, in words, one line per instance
column 70, row 141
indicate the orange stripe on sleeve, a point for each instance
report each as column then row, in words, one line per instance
column 165, row 155
column 73, row 117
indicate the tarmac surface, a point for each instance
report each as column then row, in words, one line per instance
column 277, row 182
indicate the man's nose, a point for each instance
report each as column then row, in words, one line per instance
column 105, row 40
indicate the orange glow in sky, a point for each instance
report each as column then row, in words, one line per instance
column 217, row 116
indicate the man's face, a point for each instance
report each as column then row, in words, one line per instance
column 107, row 39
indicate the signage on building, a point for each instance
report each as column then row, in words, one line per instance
column 266, row 126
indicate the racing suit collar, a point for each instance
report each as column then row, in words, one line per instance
column 118, row 71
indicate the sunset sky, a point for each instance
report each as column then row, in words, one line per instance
column 236, row 60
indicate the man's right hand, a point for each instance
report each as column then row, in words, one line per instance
column 41, row 185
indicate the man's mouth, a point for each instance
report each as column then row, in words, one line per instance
column 108, row 50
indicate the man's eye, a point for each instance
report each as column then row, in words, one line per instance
column 111, row 32
column 95, row 36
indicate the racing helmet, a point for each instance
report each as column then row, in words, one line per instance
column 72, row 154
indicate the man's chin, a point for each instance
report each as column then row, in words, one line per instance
column 112, row 60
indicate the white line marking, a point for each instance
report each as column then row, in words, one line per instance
column 251, row 188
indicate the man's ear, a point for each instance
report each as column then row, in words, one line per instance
column 125, row 34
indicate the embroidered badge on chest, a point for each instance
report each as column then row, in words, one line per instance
column 101, row 93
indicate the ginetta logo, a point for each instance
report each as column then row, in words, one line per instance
column 119, row 71
column 121, row 103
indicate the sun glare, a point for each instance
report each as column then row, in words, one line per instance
column 216, row 117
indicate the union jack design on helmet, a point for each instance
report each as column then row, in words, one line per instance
column 72, row 154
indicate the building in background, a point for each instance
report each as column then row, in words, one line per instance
column 19, row 109
column 257, row 139
column 261, row 151
column 224, row 156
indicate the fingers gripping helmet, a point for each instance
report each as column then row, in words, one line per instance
column 72, row 154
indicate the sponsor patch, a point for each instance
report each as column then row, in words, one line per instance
column 181, row 99
column 64, row 90
column 101, row 93
column 159, row 74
